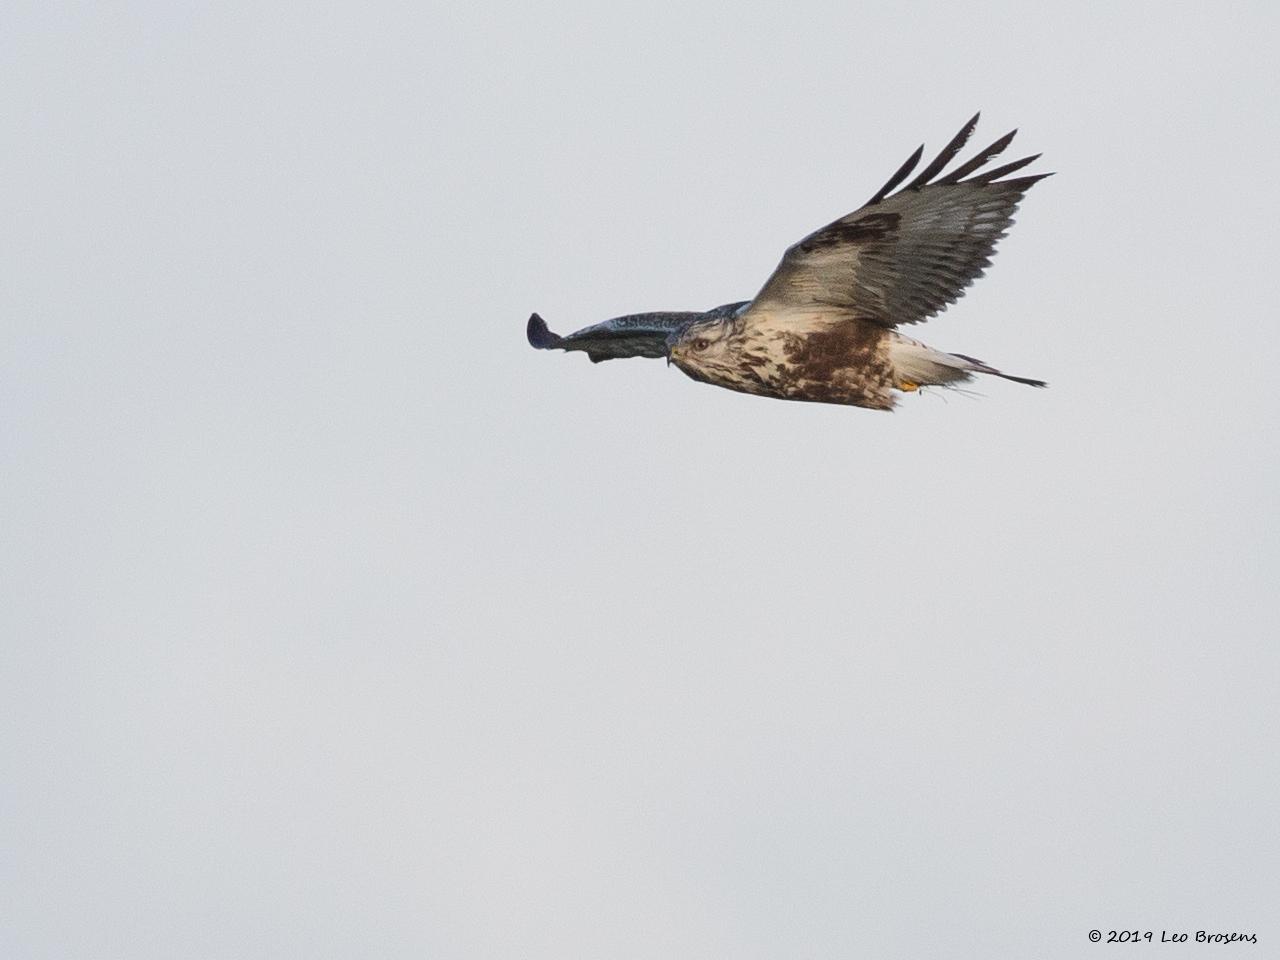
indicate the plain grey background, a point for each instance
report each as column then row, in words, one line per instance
column 339, row 623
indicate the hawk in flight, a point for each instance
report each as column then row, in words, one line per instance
column 824, row 325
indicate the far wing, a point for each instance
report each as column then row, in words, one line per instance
column 902, row 258
column 642, row 335
column 635, row 335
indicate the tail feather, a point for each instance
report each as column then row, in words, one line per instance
column 917, row 364
column 980, row 367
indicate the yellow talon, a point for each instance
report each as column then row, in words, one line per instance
column 908, row 387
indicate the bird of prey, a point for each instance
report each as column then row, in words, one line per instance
column 824, row 326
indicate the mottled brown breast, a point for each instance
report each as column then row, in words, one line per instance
column 843, row 361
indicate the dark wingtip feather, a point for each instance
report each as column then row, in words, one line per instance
column 990, row 176
column 898, row 177
column 949, row 152
column 538, row 334
column 984, row 156
column 1023, row 183
column 946, row 156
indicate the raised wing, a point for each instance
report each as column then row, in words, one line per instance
column 635, row 335
column 903, row 257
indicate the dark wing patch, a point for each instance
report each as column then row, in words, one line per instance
column 903, row 257
column 874, row 226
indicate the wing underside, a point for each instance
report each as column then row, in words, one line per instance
column 616, row 339
column 634, row 335
column 903, row 257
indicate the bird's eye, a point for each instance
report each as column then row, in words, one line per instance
column 701, row 343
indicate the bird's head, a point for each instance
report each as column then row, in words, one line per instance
column 703, row 345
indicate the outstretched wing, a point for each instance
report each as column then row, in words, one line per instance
column 904, row 256
column 635, row 335
column 643, row 335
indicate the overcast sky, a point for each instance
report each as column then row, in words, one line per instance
column 336, row 622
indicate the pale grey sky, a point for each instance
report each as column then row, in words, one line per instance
column 336, row 622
